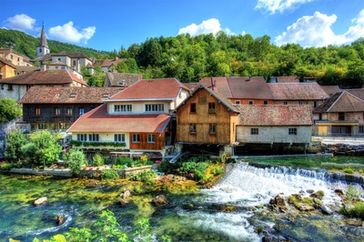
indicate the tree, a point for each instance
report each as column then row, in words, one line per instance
column 14, row 142
column 76, row 159
column 9, row 110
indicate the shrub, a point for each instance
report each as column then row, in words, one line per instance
column 357, row 211
column 109, row 174
column 353, row 194
column 167, row 167
column 9, row 110
column 6, row 166
column 123, row 161
column 147, row 177
column 76, row 159
column 217, row 170
column 98, row 160
column 348, row 170
column 14, row 142
column 198, row 169
column 143, row 160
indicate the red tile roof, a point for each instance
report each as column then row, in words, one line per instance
column 37, row 94
column 38, row 77
column 99, row 121
column 297, row 91
column 275, row 115
column 166, row 88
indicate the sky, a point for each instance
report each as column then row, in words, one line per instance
column 109, row 25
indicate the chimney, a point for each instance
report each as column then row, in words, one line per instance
column 212, row 84
column 43, row 67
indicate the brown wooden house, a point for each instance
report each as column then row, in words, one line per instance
column 206, row 118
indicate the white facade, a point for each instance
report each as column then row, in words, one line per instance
column 105, row 138
column 274, row 134
column 139, row 107
column 12, row 91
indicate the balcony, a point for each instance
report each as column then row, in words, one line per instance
column 98, row 145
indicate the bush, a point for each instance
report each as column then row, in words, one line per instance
column 9, row 110
column 147, row 177
column 217, row 170
column 353, row 194
column 76, row 159
column 123, row 161
column 98, row 160
column 14, row 142
column 5, row 166
column 109, row 174
column 198, row 169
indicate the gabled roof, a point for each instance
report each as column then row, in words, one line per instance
column 297, row 91
column 71, row 54
column 341, row 102
column 109, row 62
column 38, row 77
column 358, row 92
column 6, row 62
column 331, row 89
column 219, row 97
column 165, row 88
column 287, row 79
column 239, row 87
column 275, row 115
column 61, row 95
column 113, row 79
column 99, row 121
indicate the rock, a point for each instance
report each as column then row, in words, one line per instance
column 60, row 219
column 319, row 195
column 339, row 192
column 227, row 208
column 160, row 200
column 278, row 203
column 354, row 222
column 305, row 208
column 189, row 206
column 326, row 210
column 40, row 201
column 304, row 204
column 310, row 191
column 125, row 197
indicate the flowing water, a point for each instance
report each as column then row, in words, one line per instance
column 199, row 217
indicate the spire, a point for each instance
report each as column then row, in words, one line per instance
column 43, row 39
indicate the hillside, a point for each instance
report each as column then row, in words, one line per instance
column 26, row 45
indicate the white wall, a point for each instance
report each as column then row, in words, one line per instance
column 17, row 93
column 276, row 134
column 138, row 107
column 182, row 95
column 106, row 138
column 63, row 59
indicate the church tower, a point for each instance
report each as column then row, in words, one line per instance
column 42, row 49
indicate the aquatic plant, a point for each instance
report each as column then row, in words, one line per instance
column 353, row 194
column 107, row 228
column 147, row 177
column 354, row 211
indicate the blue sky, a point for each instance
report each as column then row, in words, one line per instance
column 107, row 25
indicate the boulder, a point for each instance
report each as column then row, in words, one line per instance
column 125, row 197
column 40, row 201
column 319, row 195
column 326, row 210
column 278, row 203
column 310, row 191
column 339, row 192
column 160, row 200
column 60, row 219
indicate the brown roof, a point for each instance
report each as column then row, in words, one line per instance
column 285, row 79
column 239, row 87
column 24, row 69
column 341, row 102
column 297, row 91
column 218, row 96
column 275, row 115
column 6, row 62
column 108, row 62
column 359, row 92
column 165, row 88
column 98, row 120
column 113, row 79
column 37, row 77
column 192, row 85
column 331, row 89
column 49, row 95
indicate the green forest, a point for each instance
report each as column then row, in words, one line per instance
column 191, row 58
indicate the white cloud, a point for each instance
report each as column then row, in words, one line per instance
column 208, row 26
column 316, row 30
column 274, row 6
column 20, row 22
column 69, row 33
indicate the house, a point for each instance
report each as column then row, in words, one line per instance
column 16, row 87
column 115, row 79
column 206, row 118
column 340, row 115
column 7, row 69
column 59, row 107
column 241, row 90
column 293, row 93
column 136, row 119
column 109, row 65
column 66, row 61
column 274, row 125
column 14, row 58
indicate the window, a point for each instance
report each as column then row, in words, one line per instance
column 292, row 131
column 59, row 59
column 93, row 137
column 285, row 102
column 57, row 111
column 202, row 100
column 2, row 86
column 265, row 102
column 82, row 137
column 212, row 108
column 151, row 138
column 119, row 138
column 69, row 111
column 193, row 108
column 212, row 128
column 74, row 63
column 341, row 116
column 361, row 129
column 314, row 104
column 320, row 116
column 154, row 107
column 81, row 111
column 37, row 111
column 136, row 138
column 40, row 50
column 124, row 108
column 193, row 129
column 251, row 102
column 254, row 131
column 237, row 102
column 42, row 126
column 10, row 87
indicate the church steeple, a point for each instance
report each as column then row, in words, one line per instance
column 42, row 49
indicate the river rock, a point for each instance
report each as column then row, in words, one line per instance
column 160, row 200
column 319, row 195
column 310, row 191
column 339, row 192
column 326, row 210
column 125, row 197
column 60, row 219
column 278, row 203
column 40, row 201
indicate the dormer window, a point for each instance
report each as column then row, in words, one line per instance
column 105, row 95
column 154, row 107
column 123, row 108
column 72, row 95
